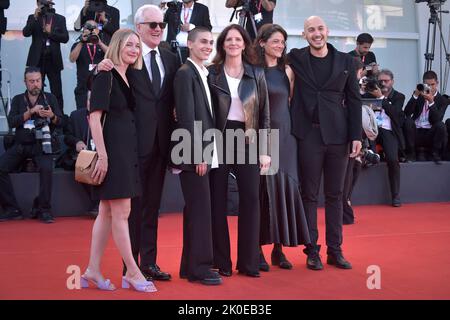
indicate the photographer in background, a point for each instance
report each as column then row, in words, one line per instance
column 181, row 18
column 35, row 115
column 48, row 30
column 87, row 52
column 262, row 11
column 4, row 4
column 390, row 122
column 106, row 17
column 424, row 128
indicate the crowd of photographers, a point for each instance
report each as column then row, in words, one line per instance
column 393, row 131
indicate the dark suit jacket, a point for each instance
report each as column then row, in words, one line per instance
column 393, row 106
column 58, row 35
column 191, row 104
column 414, row 108
column 113, row 16
column 199, row 18
column 4, row 4
column 76, row 128
column 154, row 114
column 338, row 100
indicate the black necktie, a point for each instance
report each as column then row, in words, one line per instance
column 156, row 76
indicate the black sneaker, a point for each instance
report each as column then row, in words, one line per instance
column 14, row 214
column 46, row 217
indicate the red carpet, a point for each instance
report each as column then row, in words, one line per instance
column 411, row 245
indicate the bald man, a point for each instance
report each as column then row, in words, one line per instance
column 326, row 120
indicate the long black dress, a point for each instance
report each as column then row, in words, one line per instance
column 111, row 94
column 283, row 219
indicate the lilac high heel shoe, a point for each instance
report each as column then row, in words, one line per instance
column 141, row 286
column 101, row 285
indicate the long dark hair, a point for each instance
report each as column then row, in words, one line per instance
column 264, row 34
column 248, row 55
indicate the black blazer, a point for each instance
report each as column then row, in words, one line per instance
column 414, row 108
column 154, row 114
column 4, row 4
column 76, row 128
column 113, row 16
column 191, row 104
column 199, row 18
column 393, row 106
column 338, row 100
column 58, row 35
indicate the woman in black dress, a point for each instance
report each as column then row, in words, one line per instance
column 117, row 166
column 283, row 220
column 241, row 105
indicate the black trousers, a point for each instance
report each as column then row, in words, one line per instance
column 54, row 78
column 351, row 176
column 197, row 257
column 432, row 139
column 143, row 220
column 315, row 157
column 81, row 92
column 11, row 160
column 390, row 145
column 248, row 180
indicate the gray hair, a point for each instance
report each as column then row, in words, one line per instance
column 138, row 17
column 387, row 72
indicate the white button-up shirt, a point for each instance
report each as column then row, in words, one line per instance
column 146, row 52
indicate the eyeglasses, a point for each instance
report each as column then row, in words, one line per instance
column 153, row 25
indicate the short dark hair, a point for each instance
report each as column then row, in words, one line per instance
column 364, row 38
column 430, row 75
column 29, row 70
column 193, row 34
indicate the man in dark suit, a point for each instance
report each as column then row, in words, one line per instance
column 424, row 127
column 48, row 30
column 4, row 4
column 390, row 133
column 326, row 118
column 153, row 91
column 106, row 17
column 181, row 18
column 195, row 114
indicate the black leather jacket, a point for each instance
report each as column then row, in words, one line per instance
column 252, row 92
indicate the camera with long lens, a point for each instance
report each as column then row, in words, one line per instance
column 372, row 84
column 92, row 37
column 42, row 133
column 46, row 7
column 432, row 3
column 424, row 88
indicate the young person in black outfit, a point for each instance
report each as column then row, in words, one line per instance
column 87, row 52
column 326, row 118
column 48, row 30
column 194, row 108
column 241, row 103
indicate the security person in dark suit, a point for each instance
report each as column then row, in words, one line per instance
column 106, row 17
column 153, row 92
column 48, row 30
column 194, row 109
column 4, row 4
column 390, row 123
column 326, row 119
column 181, row 18
column 30, row 111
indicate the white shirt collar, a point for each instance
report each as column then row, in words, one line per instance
column 191, row 8
column 201, row 69
column 146, row 50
